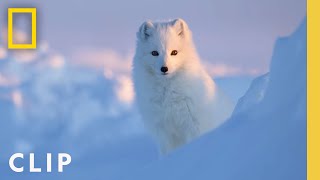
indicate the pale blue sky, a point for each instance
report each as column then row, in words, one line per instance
column 239, row 33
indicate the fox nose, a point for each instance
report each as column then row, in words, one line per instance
column 164, row 69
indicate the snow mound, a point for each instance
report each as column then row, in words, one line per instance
column 254, row 95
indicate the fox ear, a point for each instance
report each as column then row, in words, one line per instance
column 145, row 30
column 181, row 26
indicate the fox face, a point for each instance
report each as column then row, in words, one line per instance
column 162, row 46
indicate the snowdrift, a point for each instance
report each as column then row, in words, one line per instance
column 266, row 136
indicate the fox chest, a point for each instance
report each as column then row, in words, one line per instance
column 167, row 97
column 169, row 105
column 172, row 112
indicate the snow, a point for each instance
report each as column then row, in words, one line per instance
column 49, row 105
column 254, row 95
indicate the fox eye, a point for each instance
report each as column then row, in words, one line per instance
column 155, row 53
column 174, row 52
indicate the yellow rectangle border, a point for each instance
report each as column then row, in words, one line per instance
column 33, row 12
column 313, row 89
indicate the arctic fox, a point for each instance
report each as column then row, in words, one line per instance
column 176, row 97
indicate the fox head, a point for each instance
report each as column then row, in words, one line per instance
column 163, row 47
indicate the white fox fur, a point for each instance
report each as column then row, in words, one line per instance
column 182, row 103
